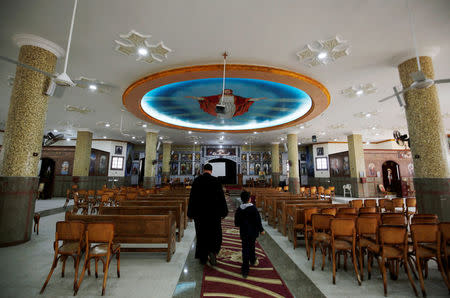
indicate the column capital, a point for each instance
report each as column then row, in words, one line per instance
column 167, row 142
column 37, row 41
column 275, row 143
column 152, row 130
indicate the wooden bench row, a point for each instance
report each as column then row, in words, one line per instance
column 138, row 229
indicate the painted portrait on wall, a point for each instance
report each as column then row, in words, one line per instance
column 65, row 168
column 118, row 150
column 372, row 170
column 103, row 165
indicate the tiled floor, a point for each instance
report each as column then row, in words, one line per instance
column 24, row 269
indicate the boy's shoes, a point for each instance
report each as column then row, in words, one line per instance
column 244, row 274
column 212, row 259
column 255, row 263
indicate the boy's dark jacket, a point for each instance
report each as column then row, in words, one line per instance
column 248, row 220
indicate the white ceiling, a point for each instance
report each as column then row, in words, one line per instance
column 263, row 32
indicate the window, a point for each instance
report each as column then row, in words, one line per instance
column 321, row 164
column 117, row 163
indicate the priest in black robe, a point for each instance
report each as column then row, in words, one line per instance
column 207, row 206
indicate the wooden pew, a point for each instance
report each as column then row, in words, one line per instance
column 158, row 229
column 162, row 202
column 285, row 204
column 149, row 210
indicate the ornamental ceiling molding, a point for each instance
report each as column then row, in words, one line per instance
column 318, row 93
column 366, row 115
column 321, row 52
column 136, row 44
column 359, row 90
column 78, row 109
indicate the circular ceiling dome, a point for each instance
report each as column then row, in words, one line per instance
column 253, row 98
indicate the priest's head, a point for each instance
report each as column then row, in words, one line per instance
column 207, row 168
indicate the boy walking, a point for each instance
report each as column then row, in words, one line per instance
column 249, row 222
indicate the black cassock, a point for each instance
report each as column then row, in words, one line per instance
column 207, row 206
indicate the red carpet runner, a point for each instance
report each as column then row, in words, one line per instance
column 225, row 279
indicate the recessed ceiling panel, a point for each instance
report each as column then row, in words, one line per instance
column 254, row 98
column 246, row 104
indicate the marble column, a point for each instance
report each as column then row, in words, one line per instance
column 294, row 181
column 275, row 164
column 167, row 148
column 22, row 143
column 357, row 164
column 429, row 143
column 82, row 159
column 150, row 156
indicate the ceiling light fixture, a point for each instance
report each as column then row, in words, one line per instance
column 133, row 137
column 322, row 52
column 246, row 143
column 160, row 138
column 189, row 132
column 142, row 142
column 104, row 137
column 136, row 43
column 255, row 132
column 322, row 55
column 368, row 115
column 107, row 125
column 68, row 139
column 93, row 87
column 302, row 127
column 144, row 125
column 195, row 143
column 143, row 51
column 55, row 130
column 359, row 90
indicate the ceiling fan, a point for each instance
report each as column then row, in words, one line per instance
column 420, row 81
column 63, row 80
column 401, row 140
column 50, row 139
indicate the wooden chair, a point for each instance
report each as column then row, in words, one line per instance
column 427, row 246
column 368, row 210
column 36, row 218
column 410, row 203
column 313, row 193
column 370, row 203
column 304, row 226
column 331, row 211
column 72, row 236
column 69, row 195
column 341, row 230
column 100, row 247
column 321, row 235
column 425, row 219
column 393, row 246
column 367, row 230
column 444, row 228
column 80, row 203
column 393, row 219
column 356, row 204
column 382, row 204
column 347, row 210
column 333, row 191
column 398, row 205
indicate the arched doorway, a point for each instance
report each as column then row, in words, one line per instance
column 230, row 170
column 391, row 177
column 47, row 176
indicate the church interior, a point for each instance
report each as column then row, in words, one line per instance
column 334, row 115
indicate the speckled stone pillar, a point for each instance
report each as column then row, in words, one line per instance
column 82, row 159
column 150, row 156
column 275, row 164
column 22, row 141
column 167, row 147
column 357, row 164
column 294, row 181
column 429, row 143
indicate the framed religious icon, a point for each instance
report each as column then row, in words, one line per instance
column 197, row 156
column 118, row 150
column 244, row 156
column 319, row 151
